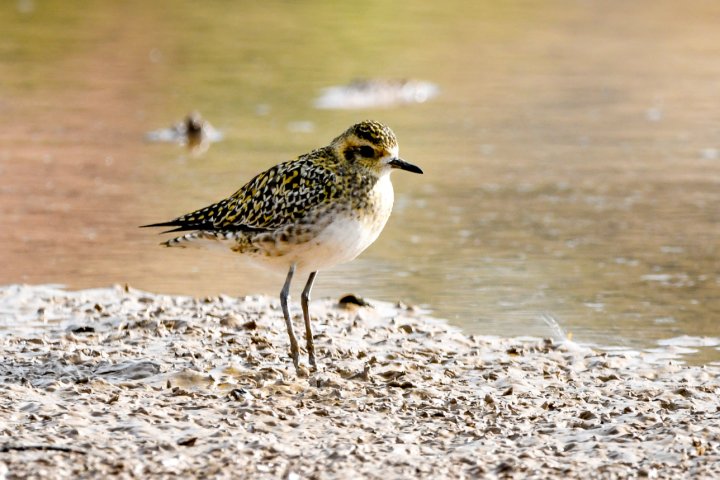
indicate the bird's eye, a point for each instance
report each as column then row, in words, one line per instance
column 367, row 152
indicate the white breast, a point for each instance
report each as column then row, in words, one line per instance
column 349, row 234
column 345, row 237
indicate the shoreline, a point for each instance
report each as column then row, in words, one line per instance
column 128, row 384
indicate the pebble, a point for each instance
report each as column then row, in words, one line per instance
column 126, row 384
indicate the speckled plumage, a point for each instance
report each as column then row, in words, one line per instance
column 304, row 215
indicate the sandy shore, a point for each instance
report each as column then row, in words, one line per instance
column 127, row 384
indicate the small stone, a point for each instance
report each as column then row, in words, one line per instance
column 406, row 328
column 351, row 300
column 187, row 442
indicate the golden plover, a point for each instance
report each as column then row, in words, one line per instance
column 302, row 216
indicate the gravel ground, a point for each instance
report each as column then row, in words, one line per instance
column 127, row 384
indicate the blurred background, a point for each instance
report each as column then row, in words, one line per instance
column 571, row 155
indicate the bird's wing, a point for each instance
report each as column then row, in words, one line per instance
column 276, row 197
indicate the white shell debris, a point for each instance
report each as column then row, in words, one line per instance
column 376, row 93
column 128, row 384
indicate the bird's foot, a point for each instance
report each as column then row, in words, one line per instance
column 295, row 355
column 302, row 371
column 311, row 360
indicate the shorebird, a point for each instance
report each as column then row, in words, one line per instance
column 305, row 215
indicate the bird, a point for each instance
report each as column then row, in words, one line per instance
column 305, row 215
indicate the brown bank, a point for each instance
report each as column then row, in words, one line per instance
column 126, row 384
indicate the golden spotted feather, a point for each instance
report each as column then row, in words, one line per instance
column 279, row 196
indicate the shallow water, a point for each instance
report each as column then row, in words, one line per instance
column 572, row 156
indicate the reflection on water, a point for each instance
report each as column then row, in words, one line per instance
column 571, row 157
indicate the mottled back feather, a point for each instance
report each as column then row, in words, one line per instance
column 276, row 197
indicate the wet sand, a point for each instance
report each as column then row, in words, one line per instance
column 126, row 384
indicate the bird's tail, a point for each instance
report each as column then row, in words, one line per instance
column 184, row 241
column 199, row 239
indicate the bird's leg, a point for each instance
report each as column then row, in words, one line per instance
column 304, row 299
column 284, row 295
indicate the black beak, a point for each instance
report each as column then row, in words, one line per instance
column 403, row 165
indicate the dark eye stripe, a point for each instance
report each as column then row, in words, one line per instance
column 367, row 152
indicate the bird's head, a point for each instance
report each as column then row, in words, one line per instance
column 371, row 145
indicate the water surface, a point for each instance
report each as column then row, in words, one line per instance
column 572, row 157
